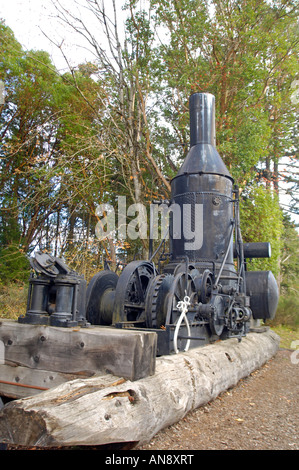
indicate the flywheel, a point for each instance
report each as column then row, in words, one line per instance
column 100, row 297
column 131, row 292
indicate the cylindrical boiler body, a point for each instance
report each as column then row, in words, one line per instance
column 202, row 195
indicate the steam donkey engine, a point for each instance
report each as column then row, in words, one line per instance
column 202, row 293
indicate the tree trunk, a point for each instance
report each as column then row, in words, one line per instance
column 107, row 409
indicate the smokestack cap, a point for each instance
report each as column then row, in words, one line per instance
column 203, row 156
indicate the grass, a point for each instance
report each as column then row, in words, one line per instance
column 287, row 336
column 13, row 300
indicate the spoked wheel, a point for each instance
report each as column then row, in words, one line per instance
column 131, row 291
column 182, row 296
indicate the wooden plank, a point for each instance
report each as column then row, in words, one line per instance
column 102, row 410
column 124, row 353
column 21, row 382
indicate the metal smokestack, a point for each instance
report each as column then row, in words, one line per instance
column 202, row 119
column 203, row 157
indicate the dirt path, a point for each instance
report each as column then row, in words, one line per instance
column 260, row 413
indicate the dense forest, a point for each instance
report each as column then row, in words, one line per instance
column 119, row 126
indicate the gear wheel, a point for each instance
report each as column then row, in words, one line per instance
column 155, row 306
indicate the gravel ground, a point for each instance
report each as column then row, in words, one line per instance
column 260, row 413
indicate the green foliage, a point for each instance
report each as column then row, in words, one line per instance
column 288, row 310
column 289, row 258
column 27, row 127
column 261, row 221
column 288, row 306
column 245, row 53
column 120, row 125
column 14, row 265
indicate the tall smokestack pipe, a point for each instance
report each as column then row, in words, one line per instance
column 203, row 157
column 202, row 189
column 202, row 119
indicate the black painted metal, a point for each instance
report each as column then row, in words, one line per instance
column 100, row 297
column 255, row 250
column 131, row 292
column 56, row 294
column 203, row 190
column 262, row 289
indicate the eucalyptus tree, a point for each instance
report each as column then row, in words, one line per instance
column 28, row 127
column 245, row 53
column 125, row 63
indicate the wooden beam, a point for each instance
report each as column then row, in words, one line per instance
column 21, row 382
column 102, row 410
column 126, row 353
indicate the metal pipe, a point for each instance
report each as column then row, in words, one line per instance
column 226, row 254
column 5, row 382
column 202, row 119
column 255, row 250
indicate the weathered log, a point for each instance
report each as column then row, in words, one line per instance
column 107, row 409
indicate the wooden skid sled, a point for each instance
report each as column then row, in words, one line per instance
column 106, row 409
column 34, row 358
